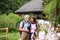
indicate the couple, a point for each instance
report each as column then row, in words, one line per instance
column 28, row 28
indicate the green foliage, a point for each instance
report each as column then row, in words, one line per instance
column 7, row 6
column 58, row 3
column 58, row 20
column 47, row 1
column 2, row 17
column 11, row 21
column 31, row 14
column 49, row 9
column 58, row 17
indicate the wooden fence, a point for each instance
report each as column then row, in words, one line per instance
column 6, row 31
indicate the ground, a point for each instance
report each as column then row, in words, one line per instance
column 11, row 36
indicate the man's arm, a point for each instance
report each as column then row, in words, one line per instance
column 21, row 29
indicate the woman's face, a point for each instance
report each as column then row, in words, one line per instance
column 32, row 19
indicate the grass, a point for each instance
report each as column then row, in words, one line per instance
column 11, row 36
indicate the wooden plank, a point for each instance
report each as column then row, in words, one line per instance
column 2, row 36
column 2, row 28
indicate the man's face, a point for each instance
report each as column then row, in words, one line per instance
column 26, row 18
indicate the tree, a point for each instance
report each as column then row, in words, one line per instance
column 7, row 6
column 47, row 1
column 49, row 9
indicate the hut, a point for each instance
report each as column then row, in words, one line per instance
column 34, row 6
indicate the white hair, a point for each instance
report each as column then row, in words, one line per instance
column 26, row 16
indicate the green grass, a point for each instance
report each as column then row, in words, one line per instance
column 11, row 36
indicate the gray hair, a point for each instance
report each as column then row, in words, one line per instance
column 26, row 16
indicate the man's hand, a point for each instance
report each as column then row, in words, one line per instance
column 26, row 30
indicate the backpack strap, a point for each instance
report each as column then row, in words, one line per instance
column 23, row 24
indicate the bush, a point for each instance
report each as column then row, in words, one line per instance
column 11, row 21
column 2, row 17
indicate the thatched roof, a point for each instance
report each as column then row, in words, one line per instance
column 33, row 5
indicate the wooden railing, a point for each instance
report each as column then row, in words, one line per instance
column 5, row 36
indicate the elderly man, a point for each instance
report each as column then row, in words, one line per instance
column 25, row 28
